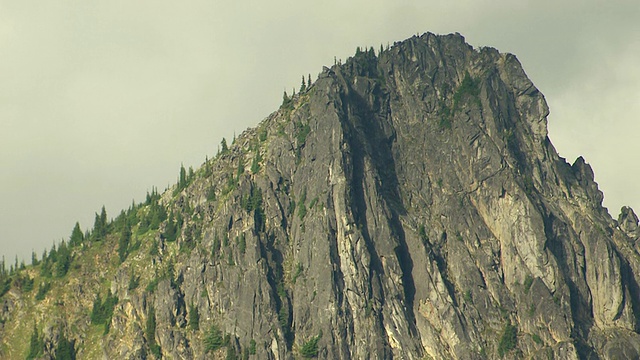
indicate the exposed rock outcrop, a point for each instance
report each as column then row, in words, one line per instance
column 408, row 205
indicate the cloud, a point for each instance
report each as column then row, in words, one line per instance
column 100, row 101
column 598, row 116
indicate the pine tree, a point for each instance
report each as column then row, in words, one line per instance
column 102, row 312
column 96, row 312
column 53, row 253
column 36, row 345
column 310, row 348
column 223, row 146
column 194, row 317
column 76, row 236
column 132, row 215
column 157, row 215
column 255, row 164
column 213, row 339
column 303, row 86
column 231, row 353
column 182, row 182
column 100, row 225
column 103, row 220
column 150, row 333
column 43, row 289
column 240, row 169
column 172, row 228
column 34, row 258
column 64, row 260
column 65, row 349
column 123, row 243
column 46, row 268
column 134, row 281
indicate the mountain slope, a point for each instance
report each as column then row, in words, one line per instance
column 407, row 204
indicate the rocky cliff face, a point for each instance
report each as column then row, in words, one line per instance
column 406, row 205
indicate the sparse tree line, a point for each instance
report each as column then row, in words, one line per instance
column 127, row 231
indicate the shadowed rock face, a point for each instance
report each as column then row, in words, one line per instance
column 407, row 205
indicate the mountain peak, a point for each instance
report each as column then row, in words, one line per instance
column 406, row 204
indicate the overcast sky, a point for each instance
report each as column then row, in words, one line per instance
column 101, row 100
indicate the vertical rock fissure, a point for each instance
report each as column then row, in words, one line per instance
column 369, row 122
column 582, row 324
column 632, row 286
column 357, row 197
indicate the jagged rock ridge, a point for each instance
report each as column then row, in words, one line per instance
column 406, row 205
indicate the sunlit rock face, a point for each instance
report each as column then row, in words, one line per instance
column 408, row 204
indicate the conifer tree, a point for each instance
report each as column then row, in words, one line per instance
column 194, row 317
column 255, row 164
column 100, row 225
column 240, row 169
column 103, row 219
column 223, row 146
column 65, row 349
column 303, row 86
column 182, row 182
column 36, row 345
column 214, row 339
column 150, row 333
column 76, row 236
column 157, row 214
column 171, row 229
column 134, row 281
column 34, row 258
column 64, row 260
column 123, row 243
column 53, row 253
column 46, row 267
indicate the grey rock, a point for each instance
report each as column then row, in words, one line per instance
column 411, row 206
column 628, row 221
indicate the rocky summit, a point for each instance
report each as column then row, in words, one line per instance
column 407, row 204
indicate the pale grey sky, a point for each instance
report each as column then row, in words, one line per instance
column 100, row 101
